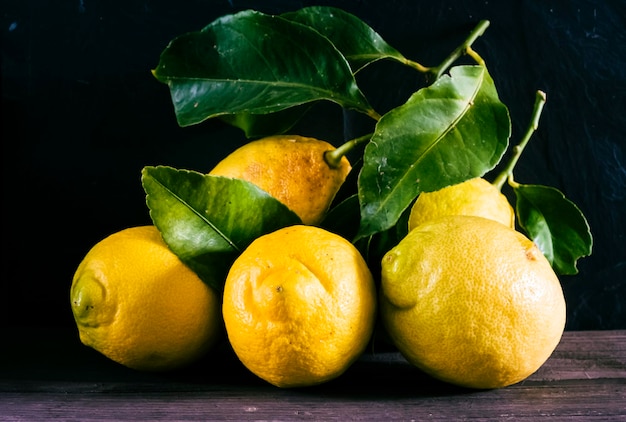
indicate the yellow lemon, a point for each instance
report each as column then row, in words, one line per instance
column 471, row 302
column 473, row 197
column 134, row 301
column 299, row 306
column 290, row 168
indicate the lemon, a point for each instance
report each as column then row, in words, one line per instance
column 134, row 301
column 292, row 169
column 473, row 197
column 471, row 302
column 299, row 306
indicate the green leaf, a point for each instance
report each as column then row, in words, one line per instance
column 250, row 62
column 259, row 125
column 449, row 132
column 357, row 41
column 207, row 221
column 555, row 224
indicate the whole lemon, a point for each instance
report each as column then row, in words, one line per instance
column 290, row 168
column 134, row 301
column 471, row 302
column 299, row 306
column 473, row 197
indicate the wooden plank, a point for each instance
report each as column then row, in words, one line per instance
column 600, row 399
column 586, row 355
column 585, row 379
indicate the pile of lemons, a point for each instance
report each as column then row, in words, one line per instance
column 464, row 296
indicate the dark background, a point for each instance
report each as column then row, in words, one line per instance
column 82, row 115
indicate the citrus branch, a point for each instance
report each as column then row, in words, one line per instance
column 507, row 173
column 464, row 48
column 333, row 157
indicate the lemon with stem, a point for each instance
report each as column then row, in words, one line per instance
column 291, row 168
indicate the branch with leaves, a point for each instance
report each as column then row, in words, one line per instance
column 262, row 73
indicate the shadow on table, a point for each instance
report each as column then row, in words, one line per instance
column 35, row 359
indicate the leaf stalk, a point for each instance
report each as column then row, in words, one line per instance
column 419, row 67
column 507, row 172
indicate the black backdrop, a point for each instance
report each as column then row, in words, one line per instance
column 82, row 114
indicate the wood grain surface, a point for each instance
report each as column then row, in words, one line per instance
column 585, row 379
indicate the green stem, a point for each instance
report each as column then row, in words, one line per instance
column 436, row 72
column 464, row 48
column 507, row 173
column 333, row 157
column 474, row 55
column 374, row 114
column 417, row 66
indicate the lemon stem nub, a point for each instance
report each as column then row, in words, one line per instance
column 507, row 173
column 333, row 157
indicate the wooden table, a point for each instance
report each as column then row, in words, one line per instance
column 49, row 375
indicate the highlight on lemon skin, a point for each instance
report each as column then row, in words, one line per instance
column 471, row 302
column 292, row 169
column 299, row 306
column 135, row 302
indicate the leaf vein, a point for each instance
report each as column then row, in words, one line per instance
column 402, row 179
column 199, row 215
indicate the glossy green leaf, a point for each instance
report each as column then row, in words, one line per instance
column 555, row 224
column 207, row 221
column 451, row 131
column 250, row 62
column 356, row 40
